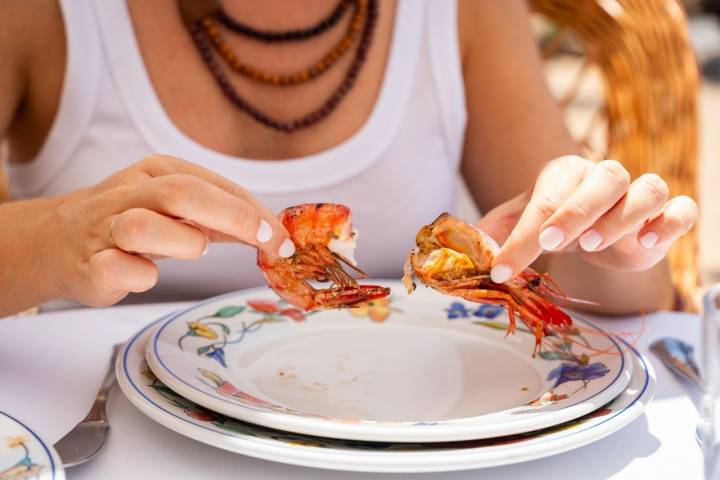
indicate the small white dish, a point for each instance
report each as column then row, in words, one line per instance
column 24, row 455
column 420, row 368
column 177, row 413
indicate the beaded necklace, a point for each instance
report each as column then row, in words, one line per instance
column 206, row 36
column 307, row 74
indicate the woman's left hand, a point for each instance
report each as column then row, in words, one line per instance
column 594, row 209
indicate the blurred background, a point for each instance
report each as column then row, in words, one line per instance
column 639, row 81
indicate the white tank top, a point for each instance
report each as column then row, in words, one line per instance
column 396, row 173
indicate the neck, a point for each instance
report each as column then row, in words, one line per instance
column 278, row 14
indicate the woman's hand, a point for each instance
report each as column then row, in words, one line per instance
column 98, row 242
column 594, row 208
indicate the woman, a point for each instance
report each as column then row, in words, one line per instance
column 101, row 99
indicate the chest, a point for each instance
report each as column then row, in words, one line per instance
column 195, row 103
column 403, row 156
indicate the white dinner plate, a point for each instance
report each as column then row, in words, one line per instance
column 420, row 368
column 177, row 413
column 24, row 455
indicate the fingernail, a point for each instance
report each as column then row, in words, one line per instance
column 500, row 273
column 207, row 245
column 591, row 240
column 551, row 238
column 287, row 249
column 264, row 232
column 649, row 239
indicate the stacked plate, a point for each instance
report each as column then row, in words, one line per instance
column 406, row 384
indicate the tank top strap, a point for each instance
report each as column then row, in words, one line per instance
column 83, row 63
column 447, row 75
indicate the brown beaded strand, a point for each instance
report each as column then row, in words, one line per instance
column 328, row 60
column 288, row 35
column 205, row 48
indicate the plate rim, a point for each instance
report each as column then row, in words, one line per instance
column 456, row 430
column 375, row 460
column 56, row 466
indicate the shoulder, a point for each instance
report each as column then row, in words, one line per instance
column 480, row 23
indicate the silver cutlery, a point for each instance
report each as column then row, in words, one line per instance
column 677, row 356
column 85, row 441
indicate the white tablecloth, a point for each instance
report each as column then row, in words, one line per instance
column 52, row 364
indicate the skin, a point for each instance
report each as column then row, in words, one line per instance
column 111, row 234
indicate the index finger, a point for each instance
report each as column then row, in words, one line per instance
column 159, row 165
column 163, row 165
column 554, row 185
column 192, row 198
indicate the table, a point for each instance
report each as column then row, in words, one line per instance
column 52, row 364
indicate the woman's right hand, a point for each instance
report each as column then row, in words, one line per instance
column 99, row 242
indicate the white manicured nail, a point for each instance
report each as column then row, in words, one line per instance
column 551, row 238
column 207, row 245
column 500, row 273
column 287, row 249
column 591, row 240
column 264, row 232
column 649, row 239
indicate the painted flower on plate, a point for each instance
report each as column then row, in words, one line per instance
column 274, row 309
column 264, row 306
column 488, row 311
column 217, row 354
column 571, row 372
column 459, row 310
column 227, row 389
column 547, row 398
column 201, row 415
column 16, row 441
column 23, row 468
column 147, row 373
column 197, row 329
column 293, row 313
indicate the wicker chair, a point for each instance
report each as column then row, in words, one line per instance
column 650, row 80
column 650, row 84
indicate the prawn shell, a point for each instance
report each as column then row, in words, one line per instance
column 314, row 223
column 456, row 234
column 527, row 296
column 311, row 228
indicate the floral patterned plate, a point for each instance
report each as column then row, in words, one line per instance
column 23, row 454
column 420, row 368
column 177, row 413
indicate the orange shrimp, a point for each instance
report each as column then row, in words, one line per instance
column 455, row 258
column 324, row 241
